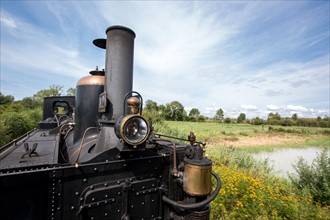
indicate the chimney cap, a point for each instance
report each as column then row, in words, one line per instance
column 120, row 28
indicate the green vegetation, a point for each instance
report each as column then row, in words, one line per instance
column 19, row 117
column 250, row 190
column 314, row 178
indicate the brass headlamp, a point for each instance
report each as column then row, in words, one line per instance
column 133, row 129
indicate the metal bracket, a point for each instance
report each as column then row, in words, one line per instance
column 30, row 152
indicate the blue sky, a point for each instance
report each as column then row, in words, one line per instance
column 254, row 57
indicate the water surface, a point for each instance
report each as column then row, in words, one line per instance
column 283, row 159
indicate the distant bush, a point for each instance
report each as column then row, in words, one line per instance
column 227, row 120
column 315, row 178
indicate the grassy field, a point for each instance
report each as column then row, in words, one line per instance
column 250, row 190
column 250, row 137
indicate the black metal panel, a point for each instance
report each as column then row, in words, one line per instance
column 23, row 196
column 86, row 114
column 116, row 189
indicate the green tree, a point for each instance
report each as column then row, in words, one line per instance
column 54, row 90
column 151, row 105
column 241, row 118
column 174, row 111
column 194, row 112
column 219, row 114
column 272, row 116
column 6, row 99
column 15, row 123
column 201, row 118
column 274, row 119
column 295, row 116
column 152, row 112
column 71, row 91
column 257, row 121
column 28, row 103
column 227, row 120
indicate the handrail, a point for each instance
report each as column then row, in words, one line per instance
column 4, row 147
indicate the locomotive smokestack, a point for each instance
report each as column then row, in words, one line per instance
column 118, row 67
column 119, row 47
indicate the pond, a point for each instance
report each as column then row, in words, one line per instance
column 282, row 160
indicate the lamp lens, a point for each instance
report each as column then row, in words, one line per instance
column 135, row 130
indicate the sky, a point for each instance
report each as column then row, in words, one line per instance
column 252, row 57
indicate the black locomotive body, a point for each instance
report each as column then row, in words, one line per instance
column 94, row 156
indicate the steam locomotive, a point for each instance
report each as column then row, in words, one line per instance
column 95, row 156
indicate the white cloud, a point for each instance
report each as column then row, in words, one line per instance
column 296, row 108
column 249, row 107
column 7, row 20
column 272, row 107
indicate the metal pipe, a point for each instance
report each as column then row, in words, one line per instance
column 118, row 67
column 175, row 171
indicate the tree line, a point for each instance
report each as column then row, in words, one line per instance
column 19, row 117
column 174, row 111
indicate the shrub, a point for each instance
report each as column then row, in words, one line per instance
column 245, row 196
column 315, row 177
